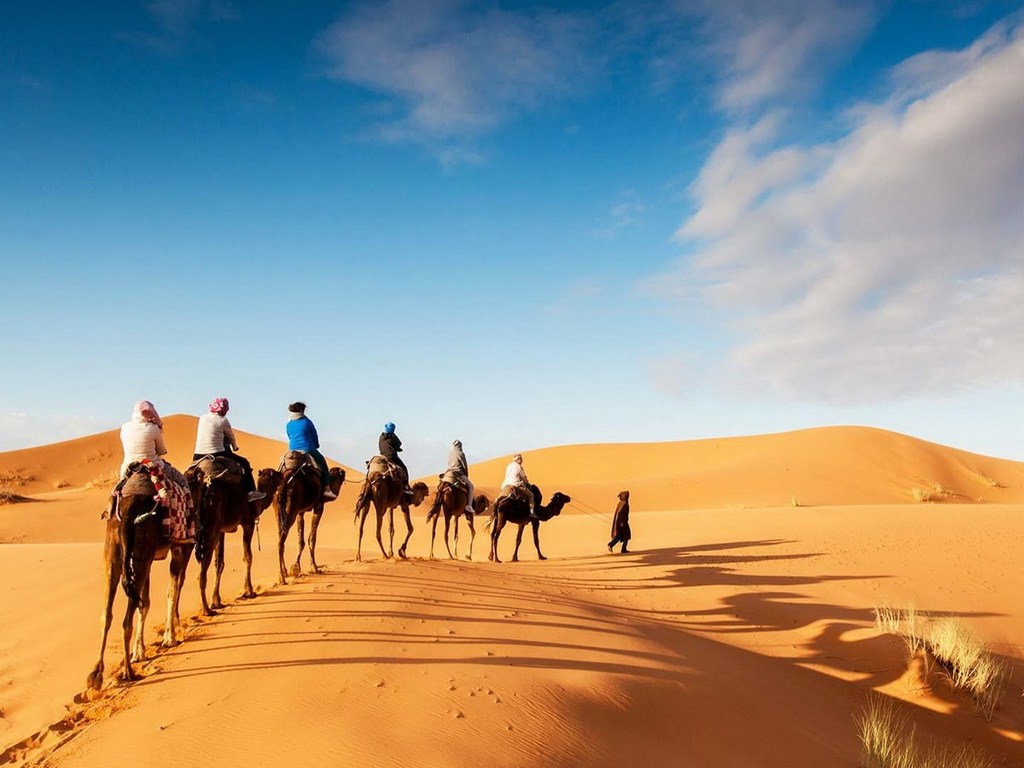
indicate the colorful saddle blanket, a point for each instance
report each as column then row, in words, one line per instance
column 170, row 490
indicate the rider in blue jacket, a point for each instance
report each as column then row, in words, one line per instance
column 302, row 436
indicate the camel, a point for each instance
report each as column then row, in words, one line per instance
column 386, row 492
column 133, row 540
column 295, row 492
column 515, row 510
column 451, row 499
column 221, row 506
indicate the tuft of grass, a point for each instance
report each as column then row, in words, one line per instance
column 969, row 666
column 888, row 740
column 103, row 481
column 990, row 482
column 793, row 501
column 9, row 497
column 16, row 478
column 934, row 492
column 947, row 642
column 886, row 737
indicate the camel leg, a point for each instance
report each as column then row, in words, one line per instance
column 282, row 535
column 409, row 529
column 204, row 567
column 359, row 543
column 317, row 514
column 138, row 643
column 380, row 523
column 300, row 530
column 126, row 626
column 391, row 532
column 536, row 539
column 248, row 529
column 112, row 567
column 447, row 530
column 519, row 540
column 433, row 533
column 179, row 562
column 496, row 526
column 217, row 603
column 472, row 537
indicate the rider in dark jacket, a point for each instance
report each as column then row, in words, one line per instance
column 388, row 445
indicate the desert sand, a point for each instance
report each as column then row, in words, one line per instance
column 738, row 632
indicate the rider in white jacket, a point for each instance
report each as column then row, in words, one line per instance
column 515, row 477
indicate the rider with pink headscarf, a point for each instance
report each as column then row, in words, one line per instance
column 215, row 437
column 142, row 437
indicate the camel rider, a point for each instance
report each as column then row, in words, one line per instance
column 459, row 469
column 302, row 436
column 515, row 477
column 142, row 439
column 215, row 437
column 388, row 445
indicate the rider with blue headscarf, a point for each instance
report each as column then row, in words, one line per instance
column 389, row 445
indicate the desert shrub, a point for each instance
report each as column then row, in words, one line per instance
column 885, row 735
column 888, row 740
column 961, row 656
column 967, row 663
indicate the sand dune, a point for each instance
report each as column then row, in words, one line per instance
column 739, row 633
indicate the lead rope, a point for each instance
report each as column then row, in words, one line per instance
column 591, row 511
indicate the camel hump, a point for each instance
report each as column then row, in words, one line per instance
column 380, row 466
column 293, row 460
column 138, row 483
column 218, row 468
column 452, row 478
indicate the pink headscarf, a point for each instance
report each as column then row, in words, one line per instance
column 219, row 405
column 146, row 411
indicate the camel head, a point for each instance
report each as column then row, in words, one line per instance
column 337, row 478
column 268, row 481
column 419, row 493
column 481, row 503
column 554, row 507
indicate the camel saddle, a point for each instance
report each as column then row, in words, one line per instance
column 452, row 478
column 294, row 460
column 515, row 492
column 137, row 482
column 222, row 468
column 385, row 468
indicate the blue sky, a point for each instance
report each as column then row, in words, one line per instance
column 517, row 224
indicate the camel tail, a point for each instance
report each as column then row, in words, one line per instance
column 435, row 508
column 200, row 550
column 363, row 501
column 128, row 575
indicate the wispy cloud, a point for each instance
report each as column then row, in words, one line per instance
column 454, row 69
column 754, row 54
column 177, row 20
column 888, row 263
column 627, row 212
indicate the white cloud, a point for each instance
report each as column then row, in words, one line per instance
column 456, row 71
column 755, row 52
column 888, row 263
